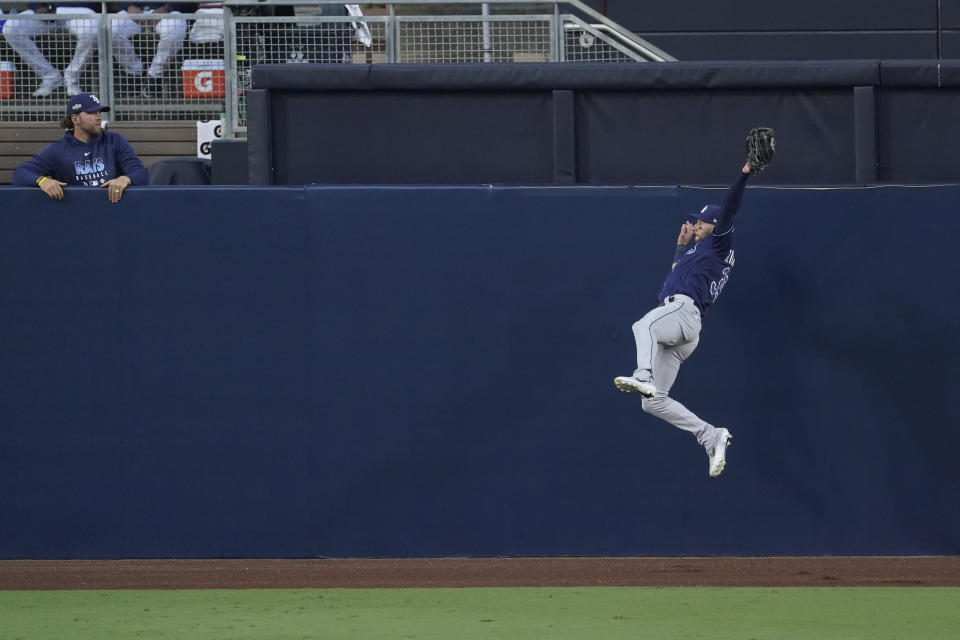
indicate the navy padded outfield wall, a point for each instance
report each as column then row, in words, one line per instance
column 838, row 122
column 382, row 372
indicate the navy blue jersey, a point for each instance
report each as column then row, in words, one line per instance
column 105, row 157
column 703, row 271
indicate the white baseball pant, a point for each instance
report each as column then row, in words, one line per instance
column 666, row 336
column 171, row 31
column 20, row 35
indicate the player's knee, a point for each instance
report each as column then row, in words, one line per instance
column 13, row 33
column 171, row 29
column 83, row 29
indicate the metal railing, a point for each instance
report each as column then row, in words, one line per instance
column 156, row 69
column 174, row 67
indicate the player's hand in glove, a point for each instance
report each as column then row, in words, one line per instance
column 761, row 144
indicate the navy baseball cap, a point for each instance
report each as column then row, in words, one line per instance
column 709, row 213
column 85, row 103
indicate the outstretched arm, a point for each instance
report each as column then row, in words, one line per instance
column 761, row 145
column 731, row 203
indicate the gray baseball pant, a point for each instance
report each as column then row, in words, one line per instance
column 665, row 337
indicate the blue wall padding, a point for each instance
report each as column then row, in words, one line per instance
column 343, row 372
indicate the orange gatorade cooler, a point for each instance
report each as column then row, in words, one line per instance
column 203, row 79
column 6, row 79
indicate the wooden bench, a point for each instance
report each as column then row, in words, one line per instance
column 152, row 142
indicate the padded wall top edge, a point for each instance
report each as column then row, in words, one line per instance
column 920, row 73
column 313, row 77
column 548, row 76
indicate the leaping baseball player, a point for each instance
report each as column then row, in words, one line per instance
column 669, row 333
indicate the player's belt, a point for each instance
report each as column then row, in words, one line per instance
column 675, row 298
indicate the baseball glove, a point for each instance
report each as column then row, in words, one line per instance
column 761, row 145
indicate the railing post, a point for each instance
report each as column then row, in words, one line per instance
column 392, row 34
column 557, row 50
column 104, row 59
column 231, row 105
column 487, row 46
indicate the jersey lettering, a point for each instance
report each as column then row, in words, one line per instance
column 717, row 287
column 86, row 167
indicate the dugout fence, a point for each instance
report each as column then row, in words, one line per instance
column 212, row 51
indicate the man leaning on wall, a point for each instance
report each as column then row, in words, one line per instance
column 86, row 155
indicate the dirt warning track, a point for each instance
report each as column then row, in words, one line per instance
column 480, row 572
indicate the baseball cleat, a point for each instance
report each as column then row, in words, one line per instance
column 50, row 82
column 629, row 384
column 72, row 79
column 718, row 459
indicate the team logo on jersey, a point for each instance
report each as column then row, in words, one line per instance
column 89, row 168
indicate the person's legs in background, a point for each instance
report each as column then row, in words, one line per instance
column 85, row 30
column 171, row 33
column 20, row 36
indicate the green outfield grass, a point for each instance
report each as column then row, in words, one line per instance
column 806, row 613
